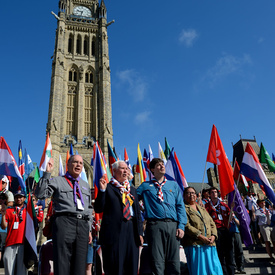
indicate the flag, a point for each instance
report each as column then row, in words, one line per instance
column 8, row 164
column 161, row 154
column 252, row 169
column 67, row 158
column 83, row 175
column 140, row 166
column 216, row 155
column 29, row 167
column 150, row 152
column 127, row 161
column 184, row 181
column 30, row 249
column 99, row 171
column 265, row 158
column 37, row 174
column 242, row 216
column 21, row 164
column 61, row 168
column 172, row 171
column 71, row 150
column 146, row 161
column 47, row 154
column 112, row 156
column 239, row 177
column 167, row 149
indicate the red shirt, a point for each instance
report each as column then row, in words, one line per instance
column 219, row 213
column 15, row 236
column 39, row 214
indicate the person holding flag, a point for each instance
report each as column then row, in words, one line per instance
column 121, row 229
column 14, row 219
column 166, row 219
column 220, row 212
column 71, row 232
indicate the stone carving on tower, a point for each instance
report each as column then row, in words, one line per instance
column 80, row 98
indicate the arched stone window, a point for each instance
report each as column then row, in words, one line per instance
column 70, row 44
column 86, row 45
column 89, row 77
column 78, row 44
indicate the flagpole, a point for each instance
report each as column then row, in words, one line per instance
column 203, row 177
column 231, row 208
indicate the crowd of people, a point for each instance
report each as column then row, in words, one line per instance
column 155, row 216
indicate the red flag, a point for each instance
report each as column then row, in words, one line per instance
column 216, row 155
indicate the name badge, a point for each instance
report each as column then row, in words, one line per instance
column 15, row 225
column 79, row 205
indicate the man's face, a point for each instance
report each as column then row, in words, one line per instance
column 159, row 169
column 75, row 166
column 214, row 194
column 19, row 200
column 121, row 173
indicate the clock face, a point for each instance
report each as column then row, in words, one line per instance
column 82, row 11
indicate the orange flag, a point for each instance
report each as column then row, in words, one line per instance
column 67, row 158
column 216, row 155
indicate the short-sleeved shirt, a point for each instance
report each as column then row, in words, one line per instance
column 15, row 236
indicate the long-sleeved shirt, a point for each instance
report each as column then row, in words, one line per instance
column 171, row 208
column 62, row 194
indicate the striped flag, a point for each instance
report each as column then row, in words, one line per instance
column 30, row 249
column 47, row 154
column 252, row 169
column 140, row 166
column 8, row 164
column 127, row 161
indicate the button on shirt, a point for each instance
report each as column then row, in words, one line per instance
column 171, row 208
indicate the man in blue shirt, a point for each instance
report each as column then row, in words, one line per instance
column 166, row 219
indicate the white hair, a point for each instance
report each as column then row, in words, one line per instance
column 115, row 165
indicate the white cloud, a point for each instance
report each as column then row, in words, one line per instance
column 260, row 40
column 143, row 117
column 188, row 37
column 135, row 85
column 224, row 67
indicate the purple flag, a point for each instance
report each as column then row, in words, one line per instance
column 242, row 215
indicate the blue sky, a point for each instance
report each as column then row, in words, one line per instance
column 177, row 68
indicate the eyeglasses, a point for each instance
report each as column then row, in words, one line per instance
column 190, row 193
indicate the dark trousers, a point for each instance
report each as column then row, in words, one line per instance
column 70, row 245
column 163, row 247
column 225, row 251
column 237, row 250
column 121, row 257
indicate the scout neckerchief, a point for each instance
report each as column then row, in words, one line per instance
column 216, row 207
column 75, row 185
column 127, row 197
column 19, row 213
column 159, row 186
column 264, row 211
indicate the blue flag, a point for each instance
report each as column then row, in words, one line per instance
column 29, row 167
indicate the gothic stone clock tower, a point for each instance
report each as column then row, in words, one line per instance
column 80, row 99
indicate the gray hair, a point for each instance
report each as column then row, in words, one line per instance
column 115, row 165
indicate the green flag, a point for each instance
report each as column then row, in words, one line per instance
column 167, row 150
column 265, row 158
column 37, row 174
